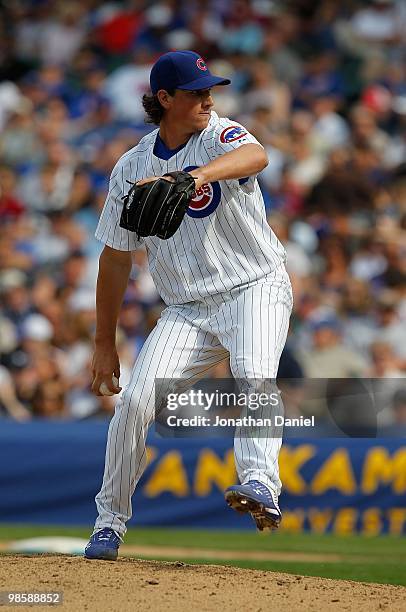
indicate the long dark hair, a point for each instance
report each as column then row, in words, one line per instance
column 153, row 108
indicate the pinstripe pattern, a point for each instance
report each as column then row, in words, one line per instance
column 232, row 246
column 228, row 295
column 187, row 341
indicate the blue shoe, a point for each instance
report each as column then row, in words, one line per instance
column 103, row 544
column 257, row 499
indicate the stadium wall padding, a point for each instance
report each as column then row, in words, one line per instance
column 51, row 471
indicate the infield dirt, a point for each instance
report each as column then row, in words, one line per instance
column 132, row 584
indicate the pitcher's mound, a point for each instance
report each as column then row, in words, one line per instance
column 132, row 584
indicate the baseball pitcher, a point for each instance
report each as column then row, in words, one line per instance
column 188, row 192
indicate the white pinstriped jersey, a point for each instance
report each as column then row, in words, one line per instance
column 224, row 240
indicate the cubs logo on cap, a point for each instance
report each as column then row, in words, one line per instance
column 232, row 133
column 200, row 63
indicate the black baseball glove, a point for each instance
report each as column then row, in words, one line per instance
column 157, row 208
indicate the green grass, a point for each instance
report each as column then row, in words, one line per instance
column 389, row 574
column 368, row 559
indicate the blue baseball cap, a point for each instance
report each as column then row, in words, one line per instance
column 182, row 70
column 326, row 321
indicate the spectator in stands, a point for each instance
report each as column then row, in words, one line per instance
column 392, row 329
column 329, row 358
column 359, row 324
column 9, row 403
column 321, row 85
column 385, row 363
column 399, row 407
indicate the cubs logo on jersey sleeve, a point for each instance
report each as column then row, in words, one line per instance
column 205, row 200
column 232, row 133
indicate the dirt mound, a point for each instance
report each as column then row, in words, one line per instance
column 132, row 584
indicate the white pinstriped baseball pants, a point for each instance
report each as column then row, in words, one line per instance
column 250, row 326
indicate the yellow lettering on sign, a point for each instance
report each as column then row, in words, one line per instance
column 345, row 521
column 379, row 468
column 212, row 470
column 371, row 521
column 290, row 462
column 335, row 473
column 319, row 519
column 397, row 518
column 151, row 454
column 293, row 521
column 169, row 475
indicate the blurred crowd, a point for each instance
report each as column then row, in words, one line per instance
column 320, row 83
